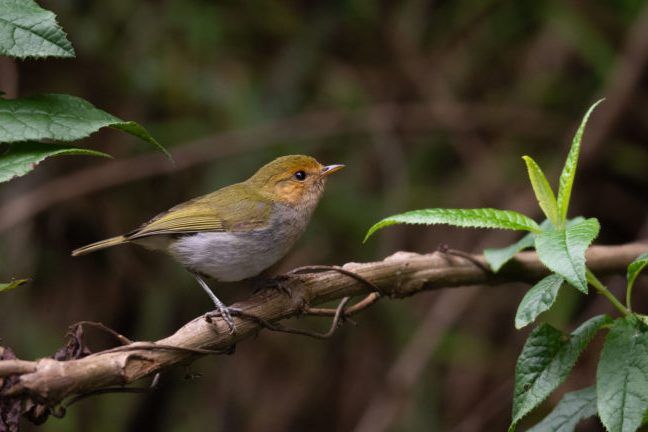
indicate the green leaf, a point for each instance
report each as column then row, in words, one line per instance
column 27, row 30
column 59, row 117
column 13, row 284
column 467, row 218
column 573, row 407
column 643, row 319
column 622, row 377
column 563, row 250
column 543, row 192
column 634, row 268
column 571, row 222
column 496, row 258
column 538, row 299
column 569, row 170
column 546, row 360
column 22, row 158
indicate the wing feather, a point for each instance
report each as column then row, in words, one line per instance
column 231, row 208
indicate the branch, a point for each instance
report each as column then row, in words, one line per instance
column 401, row 275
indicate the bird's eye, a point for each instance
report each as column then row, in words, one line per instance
column 300, row 175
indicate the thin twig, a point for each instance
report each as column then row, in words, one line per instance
column 16, row 367
column 363, row 304
column 153, row 346
column 121, row 338
column 323, row 268
column 446, row 250
column 367, row 301
column 338, row 315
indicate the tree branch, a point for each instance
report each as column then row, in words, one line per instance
column 400, row 275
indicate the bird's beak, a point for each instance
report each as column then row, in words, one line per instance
column 330, row 169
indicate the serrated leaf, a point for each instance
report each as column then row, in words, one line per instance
column 573, row 408
column 59, row 117
column 569, row 170
column 13, row 284
column 563, row 250
column 22, row 158
column 622, row 377
column 538, row 299
column 545, row 361
column 634, row 268
column 544, row 194
column 27, row 30
column 467, row 218
column 496, row 258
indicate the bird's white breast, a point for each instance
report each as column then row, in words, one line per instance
column 234, row 256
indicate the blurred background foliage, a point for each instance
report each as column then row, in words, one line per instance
column 429, row 104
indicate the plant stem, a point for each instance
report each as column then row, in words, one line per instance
column 602, row 289
column 629, row 297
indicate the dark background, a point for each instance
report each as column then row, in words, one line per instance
column 429, row 104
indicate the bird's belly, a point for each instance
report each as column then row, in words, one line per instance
column 230, row 257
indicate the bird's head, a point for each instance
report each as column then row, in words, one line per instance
column 294, row 180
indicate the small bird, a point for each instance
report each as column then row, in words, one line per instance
column 238, row 231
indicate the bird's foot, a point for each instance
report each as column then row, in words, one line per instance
column 277, row 283
column 221, row 310
column 225, row 313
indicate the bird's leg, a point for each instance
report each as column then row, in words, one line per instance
column 224, row 311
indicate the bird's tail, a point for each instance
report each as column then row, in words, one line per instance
column 103, row 244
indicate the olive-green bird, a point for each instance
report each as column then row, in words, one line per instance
column 238, row 231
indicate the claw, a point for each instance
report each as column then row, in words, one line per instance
column 222, row 310
column 277, row 283
column 225, row 313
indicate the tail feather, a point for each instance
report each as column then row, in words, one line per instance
column 103, row 244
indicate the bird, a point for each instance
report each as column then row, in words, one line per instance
column 238, row 231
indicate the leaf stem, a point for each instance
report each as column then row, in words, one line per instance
column 602, row 289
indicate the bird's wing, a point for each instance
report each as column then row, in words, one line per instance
column 233, row 208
